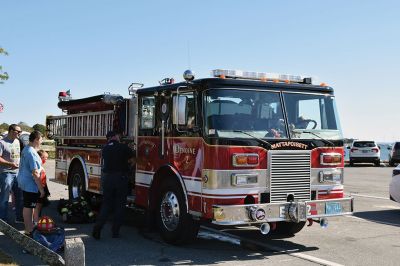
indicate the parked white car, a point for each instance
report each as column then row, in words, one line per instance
column 365, row 151
column 394, row 187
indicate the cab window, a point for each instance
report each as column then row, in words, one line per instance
column 147, row 115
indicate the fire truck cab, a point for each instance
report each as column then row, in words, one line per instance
column 238, row 148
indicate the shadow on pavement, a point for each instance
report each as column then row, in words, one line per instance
column 390, row 217
column 140, row 246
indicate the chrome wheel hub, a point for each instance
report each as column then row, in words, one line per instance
column 170, row 212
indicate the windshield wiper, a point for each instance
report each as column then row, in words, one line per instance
column 254, row 137
column 318, row 136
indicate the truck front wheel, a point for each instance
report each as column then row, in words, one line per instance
column 174, row 222
column 288, row 228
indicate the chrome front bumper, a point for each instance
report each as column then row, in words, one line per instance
column 282, row 211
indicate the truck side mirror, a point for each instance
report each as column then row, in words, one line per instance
column 179, row 110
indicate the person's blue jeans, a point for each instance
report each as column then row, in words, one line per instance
column 8, row 183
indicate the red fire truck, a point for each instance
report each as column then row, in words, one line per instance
column 241, row 147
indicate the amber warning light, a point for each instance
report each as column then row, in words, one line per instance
column 245, row 159
column 330, row 158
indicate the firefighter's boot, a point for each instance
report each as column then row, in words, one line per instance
column 96, row 232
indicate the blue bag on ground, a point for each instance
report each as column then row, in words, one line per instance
column 53, row 240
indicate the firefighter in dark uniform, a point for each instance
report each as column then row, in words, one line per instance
column 116, row 158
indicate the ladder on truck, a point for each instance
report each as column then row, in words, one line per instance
column 94, row 125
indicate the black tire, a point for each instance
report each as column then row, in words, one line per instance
column 288, row 228
column 377, row 163
column 351, row 163
column 391, row 163
column 76, row 183
column 175, row 224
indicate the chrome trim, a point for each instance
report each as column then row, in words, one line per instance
column 290, row 173
column 162, row 137
column 278, row 212
column 222, row 179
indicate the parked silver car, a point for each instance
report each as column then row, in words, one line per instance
column 394, row 187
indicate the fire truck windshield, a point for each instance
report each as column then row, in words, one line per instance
column 312, row 114
column 260, row 113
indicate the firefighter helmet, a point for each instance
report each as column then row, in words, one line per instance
column 46, row 224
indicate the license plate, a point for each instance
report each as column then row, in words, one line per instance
column 365, row 151
column 333, row 207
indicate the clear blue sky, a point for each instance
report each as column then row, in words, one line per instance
column 91, row 47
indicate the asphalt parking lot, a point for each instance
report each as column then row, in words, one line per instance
column 371, row 236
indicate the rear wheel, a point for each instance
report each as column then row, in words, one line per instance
column 76, row 185
column 288, row 228
column 391, row 163
column 174, row 222
column 378, row 163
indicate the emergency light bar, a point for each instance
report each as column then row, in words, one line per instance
column 263, row 76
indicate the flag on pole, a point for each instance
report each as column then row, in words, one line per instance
column 1, row 107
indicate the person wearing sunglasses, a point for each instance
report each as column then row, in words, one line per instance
column 9, row 166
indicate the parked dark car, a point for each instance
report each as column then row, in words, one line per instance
column 394, row 155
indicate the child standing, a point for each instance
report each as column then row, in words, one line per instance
column 43, row 180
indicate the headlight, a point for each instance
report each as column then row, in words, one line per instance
column 244, row 179
column 331, row 176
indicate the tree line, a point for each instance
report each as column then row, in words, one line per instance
column 25, row 127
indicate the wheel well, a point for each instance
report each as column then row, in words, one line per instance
column 164, row 173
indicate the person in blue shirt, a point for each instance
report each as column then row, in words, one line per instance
column 29, row 179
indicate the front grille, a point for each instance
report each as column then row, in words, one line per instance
column 289, row 175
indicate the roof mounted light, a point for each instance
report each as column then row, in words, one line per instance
column 134, row 87
column 262, row 76
column 64, row 96
column 188, row 75
column 167, row 81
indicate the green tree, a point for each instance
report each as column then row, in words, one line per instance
column 3, row 75
column 24, row 126
column 41, row 128
column 4, row 127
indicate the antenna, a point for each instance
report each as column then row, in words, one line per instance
column 188, row 51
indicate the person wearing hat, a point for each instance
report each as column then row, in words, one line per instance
column 116, row 158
